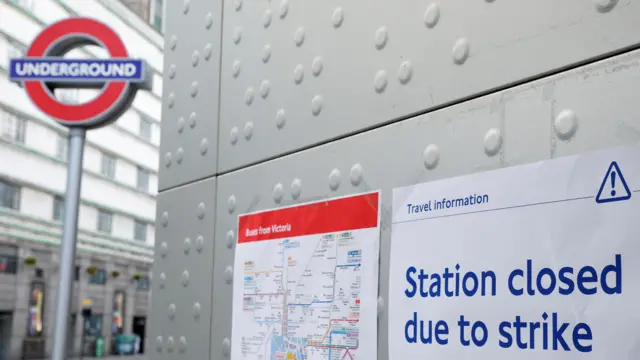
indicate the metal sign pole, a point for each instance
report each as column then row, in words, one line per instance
column 68, row 244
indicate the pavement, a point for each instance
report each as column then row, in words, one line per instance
column 112, row 357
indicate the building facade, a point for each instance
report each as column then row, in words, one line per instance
column 116, row 224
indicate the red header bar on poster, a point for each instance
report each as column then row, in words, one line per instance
column 343, row 214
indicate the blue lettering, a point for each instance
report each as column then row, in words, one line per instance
column 411, row 293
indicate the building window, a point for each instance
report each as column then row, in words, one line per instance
column 58, row 208
column 93, row 325
column 108, row 167
column 35, row 320
column 13, row 127
column 105, row 221
column 8, row 259
column 25, row 4
column 119, row 299
column 140, row 231
column 143, row 179
column 98, row 278
column 16, row 50
column 145, row 128
column 67, row 96
column 143, row 284
column 61, row 147
column 9, row 195
column 157, row 15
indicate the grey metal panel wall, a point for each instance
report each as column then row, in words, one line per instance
column 294, row 75
column 189, row 137
column 180, row 316
column 298, row 73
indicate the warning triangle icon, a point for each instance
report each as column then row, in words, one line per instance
column 614, row 187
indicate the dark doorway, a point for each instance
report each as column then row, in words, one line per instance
column 6, row 318
column 139, row 327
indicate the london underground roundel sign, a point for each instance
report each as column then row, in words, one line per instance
column 44, row 69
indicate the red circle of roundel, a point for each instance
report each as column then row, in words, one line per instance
column 76, row 113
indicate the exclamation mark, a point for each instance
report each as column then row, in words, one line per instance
column 613, row 183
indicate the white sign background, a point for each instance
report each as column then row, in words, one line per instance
column 546, row 212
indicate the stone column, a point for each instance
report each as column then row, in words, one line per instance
column 51, row 279
column 107, row 320
column 129, row 304
column 21, row 309
column 81, row 295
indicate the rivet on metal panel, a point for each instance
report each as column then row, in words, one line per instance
column 194, row 89
column 381, row 38
column 432, row 15
column 163, row 249
column 404, row 72
column 201, row 210
column 248, row 130
column 165, row 218
column 492, row 142
column 173, row 42
column 281, row 119
column 172, row 71
column 334, row 179
column 231, row 204
column 380, row 81
column 187, row 246
column 298, row 74
column 167, row 159
column 337, row 18
column 180, row 125
column 208, row 20
column 316, row 66
column 264, row 89
column 566, row 124
column 266, row 53
column 199, row 243
column 171, row 99
column 171, row 311
column 248, row 96
column 185, row 7
column 233, row 137
column 179, row 155
column 235, row 68
column 170, row 343
column 192, row 119
column 296, row 188
column 278, row 192
column 158, row 343
column 356, row 174
column 380, row 305
column 284, row 8
column 162, row 280
column 298, row 36
column 196, row 310
column 183, row 343
column 605, row 5
column 431, row 156
column 208, row 51
column 228, row 274
column 194, row 58
column 204, row 146
column 226, row 346
column 460, row 51
column 237, row 35
column 238, row 5
column 316, row 105
column 185, row 278
column 266, row 19
column 231, row 239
